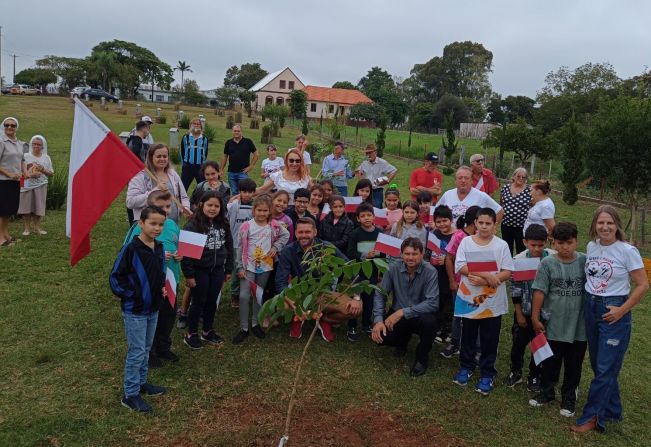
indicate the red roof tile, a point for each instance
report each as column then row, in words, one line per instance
column 335, row 95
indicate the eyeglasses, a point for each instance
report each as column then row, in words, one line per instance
column 293, row 160
column 521, row 176
column 13, row 126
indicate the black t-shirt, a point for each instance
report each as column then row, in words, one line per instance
column 239, row 154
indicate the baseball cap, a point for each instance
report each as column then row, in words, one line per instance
column 147, row 119
column 431, row 156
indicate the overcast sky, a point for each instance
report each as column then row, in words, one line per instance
column 335, row 40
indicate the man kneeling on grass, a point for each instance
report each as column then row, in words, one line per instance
column 415, row 289
column 341, row 308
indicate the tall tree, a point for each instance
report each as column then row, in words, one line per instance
column 522, row 139
column 182, row 66
column 571, row 141
column 298, row 103
column 72, row 71
column 379, row 86
column 39, row 77
column 246, row 76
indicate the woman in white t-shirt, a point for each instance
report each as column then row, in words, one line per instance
column 611, row 264
column 542, row 209
column 292, row 177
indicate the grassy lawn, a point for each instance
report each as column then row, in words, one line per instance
column 64, row 347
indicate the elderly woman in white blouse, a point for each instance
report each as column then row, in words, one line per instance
column 292, row 177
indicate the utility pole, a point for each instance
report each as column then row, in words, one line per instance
column 0, row 61
column 14, row 68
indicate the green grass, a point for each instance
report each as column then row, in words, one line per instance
column 63, row 350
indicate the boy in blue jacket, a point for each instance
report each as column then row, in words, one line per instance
column 138, row 279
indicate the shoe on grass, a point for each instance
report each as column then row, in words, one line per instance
column 368, row 330
column 326, row 331
column 450, row 351
column 352, row 335
column 296, row 329
column 484, row 386
column 462, row 377
column 240, row 337
column 212, row 337
column 193, row 341
column 568, row 408
column 540, row 400
column 152, row 390
column 136, row 403
column 169, row 356
column 513, row 379
column 258, row 332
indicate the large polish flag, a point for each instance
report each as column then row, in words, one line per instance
column 191, row 244
column 100, row 166
column 525, row 269
column 481, row 261
column 388, row 245
column 380, row 218
column 540, row 348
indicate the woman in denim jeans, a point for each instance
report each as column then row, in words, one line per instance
column 611, row 263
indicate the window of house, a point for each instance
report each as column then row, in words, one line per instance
column 269, row 100
column 331, row 108
column 291, row 85
column 160, row 98
column 312, row 107
column 341, row 110
column 282, row 84
column 280, row 100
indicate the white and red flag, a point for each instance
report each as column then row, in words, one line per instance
column 434, row 244
column 191, row 244
column 256, row 291
column 525, row 269
column 380, row 218
column 540, row 348
column 481, row 261
column 352, row 203
column 100, row 166
column 170, row 286
column 325, row 211
column 388, row 245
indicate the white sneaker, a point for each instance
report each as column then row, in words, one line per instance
column 26, row 233
column 42, row 232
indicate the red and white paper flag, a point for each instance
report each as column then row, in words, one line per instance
column 388, row 245
column 525, row 269
column 325, row 211
column 431, row 210
column 257, row 292
column 434, row 244
column 170, row 287
column 481, row 261
column 352, row 203
column 540, row 348
column 191, row 244
column 100, row 166
column 381, row 218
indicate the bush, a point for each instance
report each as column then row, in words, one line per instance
column 275, row 127
column 175, row 156
column 209, row 132
column 447, row 170
column 266, row 134
column 238, row 117
column 229, row 122
column 57, row 190
column 162, row 119
column 318, row 151
column 255, row 123
column 502, row 170
column 184, row 123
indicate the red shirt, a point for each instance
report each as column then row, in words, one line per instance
column 489, row 182
column 422, row 177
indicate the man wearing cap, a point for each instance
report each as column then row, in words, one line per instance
column 482, row 178
column 194, row 151
column 148, row 139
column 427, row 178
column 137, row 141
column 378, row 171
column 237, row 156
column 337, row 168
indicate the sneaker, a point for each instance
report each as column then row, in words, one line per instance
column 136, row 403
column 513, row 379
column 258, row 332
column 448, row 339
column 169, row 356
column 462, row 377
column 540, row 400
column 326, row 331
column 568, row 408
column 450, row 351
column 439, row 339
column 212, row 337
column 42, row 232
column 533, row 384
column 368, row 330
column 296, row 329
column 352, row 335
column 193, row 341
column 26, row 233
column 240, row 337
column 182, row 322
column 154, row 361
column 151, row 390
column 484, row 386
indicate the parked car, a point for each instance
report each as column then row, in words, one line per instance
column 79, row 91
column 6, row 89
column 24, row 89
column 97, row 93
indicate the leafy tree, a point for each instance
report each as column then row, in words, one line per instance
column 298, row 103
column 190, row 91
column 276, row 113
column 246, row 76
column 380, row 140
column 449, row 142
column 182, row 66
column 72, row 71
column 305, row 128
column 247, row 98
column 345, row 85
column 619, row 154
column 379, row 86
column 39, row 77
column 366, row 112
column 522, row 139
column 509, row 110
column 227, row 96
column 447, row 104
column 476, row 110
column 570, row 139
column 422, row 117
column 639, row 85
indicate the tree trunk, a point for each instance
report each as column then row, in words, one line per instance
column 633, row 232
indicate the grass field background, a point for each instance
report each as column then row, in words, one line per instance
column 63, row 349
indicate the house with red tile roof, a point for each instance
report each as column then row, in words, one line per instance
column 328, row 102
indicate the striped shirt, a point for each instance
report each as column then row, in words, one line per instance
column 194, row 151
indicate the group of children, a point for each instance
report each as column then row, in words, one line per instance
column 244, row 237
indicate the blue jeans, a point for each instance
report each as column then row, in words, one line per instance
column 233, row 178
column 343, row 190
column 140, row 330
column 607, row 346
column 377, row 196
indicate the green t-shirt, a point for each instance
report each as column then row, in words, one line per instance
column 562, row 283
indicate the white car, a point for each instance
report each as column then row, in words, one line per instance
column 78, row 91
column 23, row 89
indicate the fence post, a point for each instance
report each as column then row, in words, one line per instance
column 642, row 222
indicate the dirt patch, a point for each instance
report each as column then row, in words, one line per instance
column 246, row 421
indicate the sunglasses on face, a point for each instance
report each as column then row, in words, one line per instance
column 481, row 160
column 13, row 126
column 293, row 160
